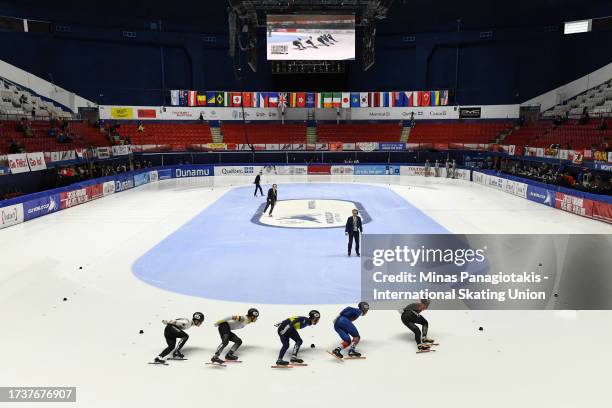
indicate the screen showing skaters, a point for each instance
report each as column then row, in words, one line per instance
column 225, row 331
column 344, row 326
column 271, row 200
column 411, row 316
column 288, row 330
column 175, row 329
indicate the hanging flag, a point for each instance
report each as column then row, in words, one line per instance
column 201, row 100
column 408, row 98
column 301, row 100
column 354, row 100
column 346, row 100
column 220, row 100
column 174, row 97
column 192, row 98
column 272, row 99
column 282, row 100
column 211, row 99
column 374, row 99
column 247, row 99
column 226, row 99
column 337, row 99
column 328, row 98
column 444, row 98
column 398, row 99
column 425, row 98
column 292, row 99
column 255, row 100
column 263, row 100
column 319, row 100
column 384, row 99
column 236, row 99
column 363, row 100
column 310, row 99
column 416, row 98
column 183, row 98
column 435, row 98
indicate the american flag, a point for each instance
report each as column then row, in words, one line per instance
column 282, row 99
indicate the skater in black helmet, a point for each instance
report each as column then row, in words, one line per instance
column 411, row 316
column 321, row 39
column 175, row 329
column 226, row 327
column 309, row 41
column 329, row 37
column 298, row 44
column 288, row 330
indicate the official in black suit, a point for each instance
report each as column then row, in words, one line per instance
column 353, row 228
column 257, row 185
column 271, row 201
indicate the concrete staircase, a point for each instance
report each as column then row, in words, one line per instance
column 216, row 134
column 311, row 134
column 405, row 134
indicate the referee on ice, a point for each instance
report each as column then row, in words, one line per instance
column 353, row 228
column 271, row 200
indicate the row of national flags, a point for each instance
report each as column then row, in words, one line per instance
column 309, row 99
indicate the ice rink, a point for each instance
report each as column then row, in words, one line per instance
column 168, row 249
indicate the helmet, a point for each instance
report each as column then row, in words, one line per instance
column 253, row 312
column 198, row 317
column 426, row 302
column 364, row 307
column 314, row 315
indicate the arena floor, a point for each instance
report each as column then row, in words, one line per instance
column 168, row 249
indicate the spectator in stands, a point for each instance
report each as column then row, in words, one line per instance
column 27, row 129
column 584, row 118
column 33, row 113
column 14, row 146
column 603, row 125
column 201, row 118
column 140, row 127
column 64, row 125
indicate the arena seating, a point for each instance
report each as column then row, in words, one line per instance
column 464, row 132
column 175, row 134
column 16, row 101
column 40, row 140
column 597, row 100
column 545, row 134
column 368, row 132
column 264, row 133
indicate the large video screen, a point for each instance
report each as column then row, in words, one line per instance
column 311, row 37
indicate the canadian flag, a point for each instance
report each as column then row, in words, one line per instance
column 236, row 99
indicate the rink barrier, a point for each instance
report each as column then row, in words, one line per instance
column 585, row 204
column 31, row 206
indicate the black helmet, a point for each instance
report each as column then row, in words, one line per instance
column 253, row 312
column 426, row 302
column 314, row 315
column 198, row 317
column 364, row 307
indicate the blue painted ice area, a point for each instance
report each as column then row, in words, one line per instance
column 221, row 254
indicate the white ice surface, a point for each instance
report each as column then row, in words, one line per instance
column 531, row 359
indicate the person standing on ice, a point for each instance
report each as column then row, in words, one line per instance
column 175, row 329
column 225, row 331
column 271, row 200
column 437, row 168
column 257, row 183
column 288, row 330
column 344, row 326
column 427, row 168
column 411, row 316
column 353, row 228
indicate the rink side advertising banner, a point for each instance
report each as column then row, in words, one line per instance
column 487, row 272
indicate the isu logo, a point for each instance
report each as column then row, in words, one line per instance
column 9, row 216
column 307, row 214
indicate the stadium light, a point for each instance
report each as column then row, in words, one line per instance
column 575, row 27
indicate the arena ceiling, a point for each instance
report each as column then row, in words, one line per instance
column 402, row 16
